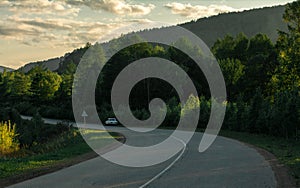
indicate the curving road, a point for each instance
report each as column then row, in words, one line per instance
column 227, row 163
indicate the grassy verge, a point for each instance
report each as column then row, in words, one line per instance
column 57, row 152
column 286, row 151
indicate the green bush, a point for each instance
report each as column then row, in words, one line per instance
column 277, row 117
column 205, row 107
column 4, row 114
column 8, row 142
column 25, row 108
column 35, row 131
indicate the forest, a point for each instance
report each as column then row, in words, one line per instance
column 262, row 80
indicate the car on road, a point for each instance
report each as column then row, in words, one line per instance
column 111, row 121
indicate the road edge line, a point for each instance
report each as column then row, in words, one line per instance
column 168, row 167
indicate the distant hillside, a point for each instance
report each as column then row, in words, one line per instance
column 264, row 20
column 51, row 64
column 5, row 68
column 251, row 22
column 57, row 64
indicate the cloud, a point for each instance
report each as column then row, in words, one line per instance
column 55, row 31
column 67, row 32
column 41, row 7
column 54, row 21
column 120, row 7
column 57, row 23
column 17, row 33
column 198, row 11
column 4, row 3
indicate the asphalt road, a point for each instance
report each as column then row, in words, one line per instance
column 227, row 163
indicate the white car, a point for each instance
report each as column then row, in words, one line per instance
column 111, row 121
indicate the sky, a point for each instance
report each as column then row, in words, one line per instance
column 34, row 30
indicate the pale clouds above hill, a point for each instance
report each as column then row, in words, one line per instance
column 43, row 7
column 33, row 22
column 120, row 7
column 55, row 31
column 72, row 7
column 198, row 11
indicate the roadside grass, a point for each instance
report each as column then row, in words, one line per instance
column 286, row 151
column 59, row 150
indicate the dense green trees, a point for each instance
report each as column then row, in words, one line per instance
column 261, row 116
column 256, row 60
column 65, row 90
column 21, row 85
column 39, row 84
column 287, row 74
column 44, row 84
column 233, row 70
column 268, row 93
column 39, row 89
column 14, row 84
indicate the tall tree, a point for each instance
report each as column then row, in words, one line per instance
column 260, row 65
column 287, row 75
column 241, row 47
column 44, row 84
column 224, row 48
column 233, row 71
column 21, row 85
column 65, row 89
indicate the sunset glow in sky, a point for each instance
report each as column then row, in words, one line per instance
column 43, row 29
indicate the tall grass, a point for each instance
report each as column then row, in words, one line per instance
column 8, row 141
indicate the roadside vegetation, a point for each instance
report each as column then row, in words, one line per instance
column 31, row 147
column 62, row 147
column 63, row 151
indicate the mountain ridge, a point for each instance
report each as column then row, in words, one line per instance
column 251, row 22
column 2, row 68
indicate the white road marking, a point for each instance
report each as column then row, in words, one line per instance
column 168, row 167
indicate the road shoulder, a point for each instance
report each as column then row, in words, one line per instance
column 281, row 172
